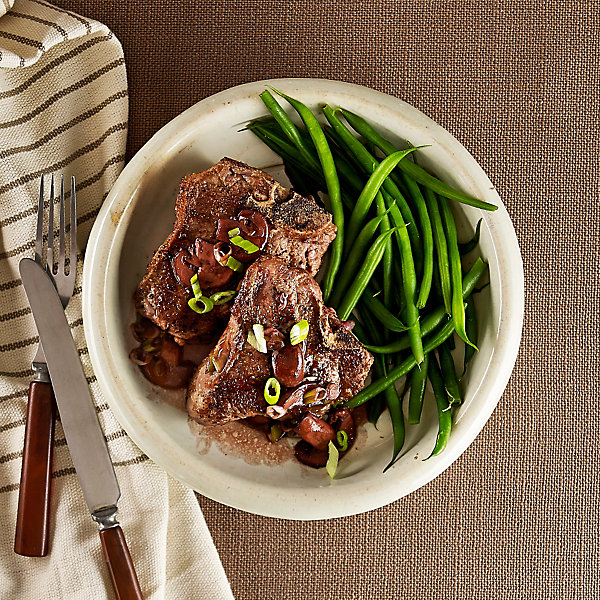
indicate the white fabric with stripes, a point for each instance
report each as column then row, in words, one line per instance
column 63, row 109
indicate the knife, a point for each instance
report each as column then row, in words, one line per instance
column 80, row 423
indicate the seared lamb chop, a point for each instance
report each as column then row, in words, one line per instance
column 330, row 365
column 227, row 197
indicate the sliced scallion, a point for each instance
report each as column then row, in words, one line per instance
column 195, row 286
column 201, row 305
column 332, row 460
column 313, row 395
column 222, row 297
column 256, row 338
column 342, row 440
column 246, row 245
column 299, row 332
column 148, row 346
column 276, row 432
column 272, row 390
column 234, row 264
column 259, row 333
column 233, row 232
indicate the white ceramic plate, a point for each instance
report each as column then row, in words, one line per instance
column 138, row 215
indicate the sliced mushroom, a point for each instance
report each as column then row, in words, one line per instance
column 276, row 412
column 288, row 365
column 274, row 338
column 316, row 432
column 310, row 456
column 254, row 227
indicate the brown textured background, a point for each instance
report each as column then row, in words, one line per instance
column 518, row 83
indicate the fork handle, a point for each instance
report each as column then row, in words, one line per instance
column 120, row 565
column 33, row 515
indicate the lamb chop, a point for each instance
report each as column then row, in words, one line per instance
column 326, row 367
column 230, row 197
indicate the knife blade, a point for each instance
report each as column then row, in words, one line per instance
column 85, row 439
column 77, row 412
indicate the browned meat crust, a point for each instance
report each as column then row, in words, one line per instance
column 274, row 295
column 300, row 232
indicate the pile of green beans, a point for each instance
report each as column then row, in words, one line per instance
column 396, row 264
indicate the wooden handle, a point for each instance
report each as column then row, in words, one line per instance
column 33, row 515
column 120, row 565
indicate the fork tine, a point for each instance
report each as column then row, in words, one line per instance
column 50, row 253
column 73, row 257
column 62, row 233
column 39, row 235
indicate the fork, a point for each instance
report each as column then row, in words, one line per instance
column 31, row 537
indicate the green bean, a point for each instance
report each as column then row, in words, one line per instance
column 388, row 254
column 345, row 170
column 288, row 152
column 288, row 127
column 472, row 332
column 441, row 248
column 472, row 243
column 400, row 370
column 458, row 308
column 413, row 170
column 443, row 407
column 375, row 409
column 426, row 230
column 360, row 333
column 270, row 131
column 418, row 382
column 352, row 261
column 380, row 312
column 379, row 175
column 398, row 281
column 449, row 373
column 432, row 320
column 390, row 396
column 373, row 258
column 371, row 330
column 337, row 142
column 376, row 405
column 409, row 283
column 299, row 182
column 276, row 136
column 369, row 164
column 450, row 341
column 394, row 406
column 333, row 189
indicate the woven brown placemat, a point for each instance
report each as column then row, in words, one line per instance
column 518, row 83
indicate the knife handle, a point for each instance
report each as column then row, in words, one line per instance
column 120, row 565
column 33, row 514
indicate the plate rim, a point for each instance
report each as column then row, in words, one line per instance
column 368, row 502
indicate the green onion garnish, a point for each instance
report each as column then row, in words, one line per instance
column 310, row 396
column 276, row 432
column 332, row 460
column 259, row 333
column 256, row 338
column 198, row 299
column 272, row 390
column 207, row 304
column 234, row 264
column 342, row 440
column 299, row 332
column 233, row 232
column 195, row 286
column 222, row 297
column 246, row 245
column 148, row 346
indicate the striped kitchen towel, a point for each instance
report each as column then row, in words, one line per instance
column 63, row 109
